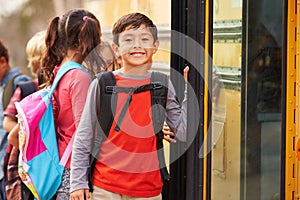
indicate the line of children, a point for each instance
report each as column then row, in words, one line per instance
column 128, row 163
column 74, row 36
column 9, row 78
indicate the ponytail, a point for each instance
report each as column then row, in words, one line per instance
column 89, row 43
column 54, row 53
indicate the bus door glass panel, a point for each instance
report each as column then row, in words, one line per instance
column 246, row 122
column 226, row 99
column 261, row 130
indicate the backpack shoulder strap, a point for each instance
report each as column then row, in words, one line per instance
column 159, row 102
column 105, row 118
column 159, row 96
column 8, row 91
column 27, row 88
column 67, row 66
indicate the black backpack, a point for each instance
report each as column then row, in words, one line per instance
column 159, row 92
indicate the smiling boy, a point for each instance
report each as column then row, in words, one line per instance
column 130, row 164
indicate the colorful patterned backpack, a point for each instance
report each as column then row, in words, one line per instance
column 40, row 167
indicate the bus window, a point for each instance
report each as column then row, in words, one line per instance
column 246, row 156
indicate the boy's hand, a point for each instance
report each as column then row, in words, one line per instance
column 168, row 134
column 82, row 194
column 185, row 73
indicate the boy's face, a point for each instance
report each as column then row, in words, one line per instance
column 136, row 46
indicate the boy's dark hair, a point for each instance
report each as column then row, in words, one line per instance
column 77, row 30
column 4, row 51
column 132, row 20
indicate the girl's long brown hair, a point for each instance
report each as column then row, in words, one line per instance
column 77, row 30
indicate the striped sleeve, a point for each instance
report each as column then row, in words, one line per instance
column 11, row 109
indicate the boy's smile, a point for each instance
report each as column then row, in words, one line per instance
column 137, row 54
column 136, row 47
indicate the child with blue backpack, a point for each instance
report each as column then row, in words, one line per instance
column 72, row 37
column 118, row 149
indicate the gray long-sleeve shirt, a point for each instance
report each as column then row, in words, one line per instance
column 176, row 118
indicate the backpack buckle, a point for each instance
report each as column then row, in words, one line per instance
column 156, row 85
column 116, row 89
column 109, row 89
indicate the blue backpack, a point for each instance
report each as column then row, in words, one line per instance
column 40, row 167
